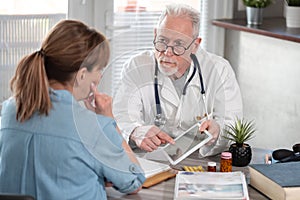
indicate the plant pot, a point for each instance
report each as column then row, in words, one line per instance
column 254, row 15
column 241, row 154
column 292, row 15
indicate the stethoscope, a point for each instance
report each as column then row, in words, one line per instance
column 159, row 119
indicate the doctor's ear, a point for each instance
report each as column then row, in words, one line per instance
column 197, row 44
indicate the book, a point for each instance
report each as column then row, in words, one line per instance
column 210, row 185
column 155, row 172
column 277, row 181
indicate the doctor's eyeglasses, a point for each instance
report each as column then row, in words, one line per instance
column 177, row 50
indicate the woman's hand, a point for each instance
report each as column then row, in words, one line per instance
column 108, row 184
column 98, row 102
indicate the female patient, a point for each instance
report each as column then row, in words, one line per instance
column 51, row 146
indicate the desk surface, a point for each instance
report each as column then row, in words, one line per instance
column 165, row 189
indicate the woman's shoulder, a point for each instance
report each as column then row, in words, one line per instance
column 8, row 106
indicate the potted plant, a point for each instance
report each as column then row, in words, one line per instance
column 239, row 133
column 254, row 10
column 292, row 13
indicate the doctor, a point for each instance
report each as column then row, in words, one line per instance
column 165, row 91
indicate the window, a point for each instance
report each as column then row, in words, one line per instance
column 23, row 25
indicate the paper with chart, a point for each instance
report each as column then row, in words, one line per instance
column 211, row 185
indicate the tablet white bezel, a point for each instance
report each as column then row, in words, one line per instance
column 187, row 153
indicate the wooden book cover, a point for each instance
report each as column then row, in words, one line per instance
column 277, row 181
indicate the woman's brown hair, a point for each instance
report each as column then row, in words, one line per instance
column 69, row 45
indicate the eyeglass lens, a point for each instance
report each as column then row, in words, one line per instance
column 162, row 47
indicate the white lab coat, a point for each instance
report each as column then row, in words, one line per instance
column 134, row 103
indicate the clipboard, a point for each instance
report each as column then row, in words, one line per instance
column 155, row 172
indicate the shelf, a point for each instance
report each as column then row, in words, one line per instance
column 272, row 27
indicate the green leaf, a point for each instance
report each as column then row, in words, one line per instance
column 257, row 3
column 239, row 132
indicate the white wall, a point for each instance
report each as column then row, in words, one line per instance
column 268, row 72
column 92, row 12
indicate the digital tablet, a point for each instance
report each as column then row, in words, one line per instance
column 185, row 144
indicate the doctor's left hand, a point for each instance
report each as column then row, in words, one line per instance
column 213, row 128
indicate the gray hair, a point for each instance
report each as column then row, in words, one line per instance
column 182, row 10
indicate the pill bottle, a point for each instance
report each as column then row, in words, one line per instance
column 226, row 162
column 211, row 167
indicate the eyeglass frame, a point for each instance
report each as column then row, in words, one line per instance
column 172, row 47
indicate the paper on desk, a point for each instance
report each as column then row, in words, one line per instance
column 211, row 185
column 151, row 167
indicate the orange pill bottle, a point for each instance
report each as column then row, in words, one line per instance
column 226, row 162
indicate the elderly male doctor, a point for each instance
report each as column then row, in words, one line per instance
column 160, row 91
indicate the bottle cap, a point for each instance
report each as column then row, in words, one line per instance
column 211, row 164
column 226, row 155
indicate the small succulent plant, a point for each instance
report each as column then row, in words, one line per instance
column 240, row 132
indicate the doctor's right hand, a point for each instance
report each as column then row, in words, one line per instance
column 149, row 138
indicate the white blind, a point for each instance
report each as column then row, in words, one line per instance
column 204, row 22
column 19, row 36
column 129, row 34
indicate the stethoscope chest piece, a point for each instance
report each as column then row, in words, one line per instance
column 159, row 120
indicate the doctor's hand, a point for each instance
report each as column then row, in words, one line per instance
column 99, row 103
column 149, row 138
column 213, row 127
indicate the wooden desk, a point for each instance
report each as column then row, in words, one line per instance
column 165, row 189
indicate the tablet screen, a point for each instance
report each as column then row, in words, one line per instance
column 186, row 143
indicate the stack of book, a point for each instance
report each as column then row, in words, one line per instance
column 280, row 181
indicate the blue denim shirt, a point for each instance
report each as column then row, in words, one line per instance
column 68, row 154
